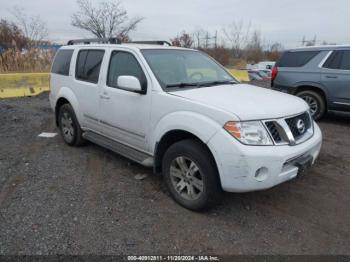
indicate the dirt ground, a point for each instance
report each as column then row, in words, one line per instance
column 55, row 199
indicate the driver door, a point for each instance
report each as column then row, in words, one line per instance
column 124, row 115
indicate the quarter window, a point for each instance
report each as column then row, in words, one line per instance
column 333, row 62
column 338, row 60
column 89, row 65
column 124, row 64
column 61, row 64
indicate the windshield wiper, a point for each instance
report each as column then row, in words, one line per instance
column 215, row 83
column 180, row 85
column 202, row 84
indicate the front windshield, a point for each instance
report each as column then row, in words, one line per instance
column 185, row 68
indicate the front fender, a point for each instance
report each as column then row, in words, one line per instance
column 197, row 124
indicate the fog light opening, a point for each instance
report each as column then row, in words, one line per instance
column 261, row 174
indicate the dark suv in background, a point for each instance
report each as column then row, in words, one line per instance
column 319, row 75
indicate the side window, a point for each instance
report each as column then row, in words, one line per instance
column 122, row 64
column 296, row 59
column 334, row 60
column 345, row 62
column 61, row 64
column 89, row 65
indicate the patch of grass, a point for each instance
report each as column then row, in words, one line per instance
column 32, row 60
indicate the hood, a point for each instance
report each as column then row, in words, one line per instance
column 246, row 101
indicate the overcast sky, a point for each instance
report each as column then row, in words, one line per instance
column 285, row 21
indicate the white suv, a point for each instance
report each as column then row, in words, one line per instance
column 180, row 112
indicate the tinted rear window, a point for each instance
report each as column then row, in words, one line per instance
column 89, row 65
column 296, row 59
column 61, row 64
column 345, row 62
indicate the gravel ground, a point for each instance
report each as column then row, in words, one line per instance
column 55, row 199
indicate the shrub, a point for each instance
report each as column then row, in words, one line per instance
column 221, row 54
column 31, row 60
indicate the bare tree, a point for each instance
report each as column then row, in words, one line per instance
column 185, row 40
column 33, row 27
column 198, row 36
column 273, row 51
column 237, row 34
column 11, row 37
column 254, row 48
column 108, row 19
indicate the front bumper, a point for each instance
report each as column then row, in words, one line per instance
column 238, row 164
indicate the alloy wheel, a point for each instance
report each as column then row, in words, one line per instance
column 186, row 178
column 67, row 127
column 313, row 104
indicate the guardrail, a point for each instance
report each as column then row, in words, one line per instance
column 23, row 84
column 241, row 75
column 32, row 84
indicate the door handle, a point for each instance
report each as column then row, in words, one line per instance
column 333, row 77
column 104, row 96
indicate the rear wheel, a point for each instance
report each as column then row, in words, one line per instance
column 315, row 101
column 69, row 126
column 191, row 176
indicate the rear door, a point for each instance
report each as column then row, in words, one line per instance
column 60, row 73
column 336, row 77
column 87, row 77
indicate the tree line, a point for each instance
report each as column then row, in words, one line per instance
column 233, row 45
column 237, row 44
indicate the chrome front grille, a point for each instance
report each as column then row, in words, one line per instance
column 291, row 130
column 273, row 129
column 293, row 124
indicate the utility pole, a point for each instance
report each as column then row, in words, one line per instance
column 198, row 39
column 216, row 38
column 207, row 40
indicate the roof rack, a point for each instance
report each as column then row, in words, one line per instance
column 112, row 40
column 151, row 42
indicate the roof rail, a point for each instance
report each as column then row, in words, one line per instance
column 151, row 42
column 112, row 40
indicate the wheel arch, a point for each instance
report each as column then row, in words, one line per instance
column 172, row 137
column 65, row 96
column 60, row 102
column 314, row 88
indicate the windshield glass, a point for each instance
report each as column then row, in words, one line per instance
column 185, row 68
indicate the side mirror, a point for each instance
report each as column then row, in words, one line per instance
column 129, row 83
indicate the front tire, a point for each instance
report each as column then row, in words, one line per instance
column 191, row 175
column 69, row 126
column 315, row 101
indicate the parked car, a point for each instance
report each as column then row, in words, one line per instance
column 319, row 75
column 267, row 72
column 179, row 111
column 254, row 76
column 263, row 65
column 264, row 76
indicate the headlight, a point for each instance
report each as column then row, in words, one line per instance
column 249, row 133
